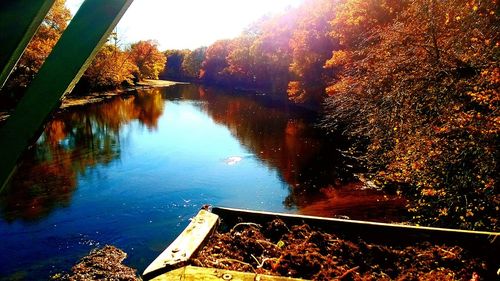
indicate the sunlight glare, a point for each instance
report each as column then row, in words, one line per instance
column 191, row 23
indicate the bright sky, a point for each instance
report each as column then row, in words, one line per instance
column 180, row 24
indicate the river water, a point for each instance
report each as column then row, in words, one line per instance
column 131, row 172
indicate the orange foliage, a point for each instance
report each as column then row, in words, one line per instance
column 419, row 81
column 311, row 46
column 215, row 62
column 110, row 68
column 148, row 59
column 40, row 45
column 290, row 47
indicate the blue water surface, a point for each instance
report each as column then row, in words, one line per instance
column 132, row 171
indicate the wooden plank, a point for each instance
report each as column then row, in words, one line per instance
column 185, row 245
column 234, row 212
column 484, row 243
column 194, row 273
column 481, row 243
column 20, row 20
column 83, row 38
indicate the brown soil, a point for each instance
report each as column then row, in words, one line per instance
column 301, row 252
column 101, row 264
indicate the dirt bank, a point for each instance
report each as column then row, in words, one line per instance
column 72, row 101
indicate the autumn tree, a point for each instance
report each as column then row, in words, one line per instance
column 257, row 59
column 240, row 62
column 215, row 62
column 173, row 66
column 311, row 46
column 39, row 47
column 184, row 64
column 280, row 53
column 271, row 51
column 148, row 59
column 191, row 65
column 110, row 68
column 419, row 81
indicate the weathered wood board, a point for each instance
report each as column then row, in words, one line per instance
column 194, row 273
column 386, row 232
column 186, row 243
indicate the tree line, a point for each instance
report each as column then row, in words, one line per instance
column 283, row 55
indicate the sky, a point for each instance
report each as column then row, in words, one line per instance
column 188, row 24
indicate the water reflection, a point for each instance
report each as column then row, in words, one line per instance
column 71, row 144
column 319, row 179
column 132, row 171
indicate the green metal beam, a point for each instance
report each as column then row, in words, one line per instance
column 19, row 20
column 74, row 51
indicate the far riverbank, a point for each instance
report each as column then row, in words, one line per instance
column 96, row 97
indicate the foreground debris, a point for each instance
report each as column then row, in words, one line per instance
column 101, row 264
column 302, row 252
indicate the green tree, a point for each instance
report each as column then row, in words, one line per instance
column 191, row 65
column 240, row 62
column 173, row 66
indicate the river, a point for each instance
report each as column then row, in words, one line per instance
column 131, row 172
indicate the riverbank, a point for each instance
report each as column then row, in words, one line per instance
column 96, row 97
column 72, row 101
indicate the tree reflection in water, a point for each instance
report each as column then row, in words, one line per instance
column 319, row 179
column 72, row 143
